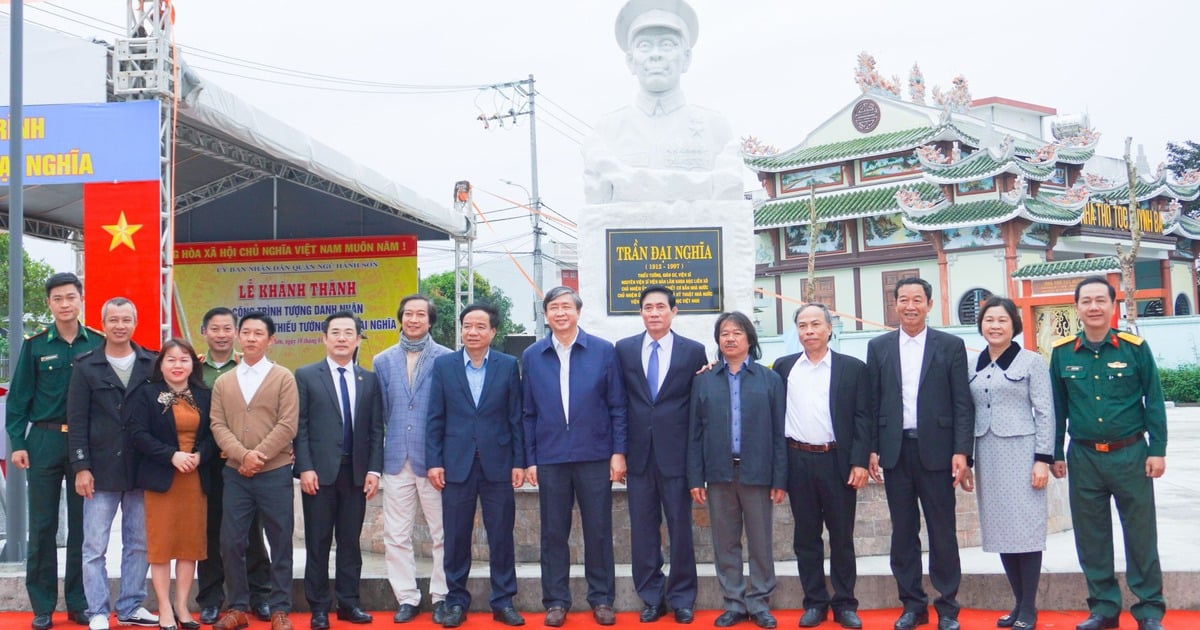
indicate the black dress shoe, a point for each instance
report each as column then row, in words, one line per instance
column 1007, row 621
column 509, row 617
column 684, row 615
column 210, row 614
column 651, row 612
column 848, row 619
column 1096, row 621
column 1150, row 624
column 813, row 617
column 188, row 625
column 454, row 616
column 764, row 619
column 320, row 621
column 42, row 622
column 439, row 612
column 353, row 614
column 1021, row 624
column 262, row 611
column 910, row 620
column 946, row 623
column 405, row 613
column 729, row 618
column 555, row 616
column 79, row 616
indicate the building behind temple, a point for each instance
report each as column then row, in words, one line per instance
column 978, row 196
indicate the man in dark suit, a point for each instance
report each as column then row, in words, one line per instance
column 339, row 456
column 922, row 438
column 657, row 367
column 828, row 438
column 475, row 450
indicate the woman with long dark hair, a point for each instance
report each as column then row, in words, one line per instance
column 167, row 417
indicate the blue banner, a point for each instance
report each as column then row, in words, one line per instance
column 84, row 143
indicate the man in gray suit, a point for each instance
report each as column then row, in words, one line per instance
column 339, row 456
column 736, row 446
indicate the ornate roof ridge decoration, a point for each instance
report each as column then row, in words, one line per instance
column 1104, row 189
column 960, row 215
column 1073, row 267
column 916, row 85
column 1073, row 199
column 803, row 156
column 752, row 146
column 958, row 99
column 870, row 81
column 914, row 204
column 1044, row 154
column 1019, row 192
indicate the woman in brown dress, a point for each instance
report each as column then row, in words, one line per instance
column 168, row 419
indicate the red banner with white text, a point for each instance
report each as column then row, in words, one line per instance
column 121, row 254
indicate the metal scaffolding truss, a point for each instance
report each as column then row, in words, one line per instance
column 47, row 229
column 212, row 191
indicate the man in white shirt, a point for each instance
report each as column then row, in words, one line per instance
column 828, row 441
column 923, row 435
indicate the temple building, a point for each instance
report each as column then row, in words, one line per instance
column 969, row 194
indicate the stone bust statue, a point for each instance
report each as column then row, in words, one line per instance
column 660, row 148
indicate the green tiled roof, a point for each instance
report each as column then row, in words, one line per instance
column 1075, row 155
column 1075, row 267
column 835, row 206
column 1144, row 190
column 963, row 214
column 1185, row 192
column 1188, row 227
column 1043, row 211
column 838, row 151
column 979, row 165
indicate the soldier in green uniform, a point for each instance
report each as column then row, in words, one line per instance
column 1106, row 384
column 37, row 430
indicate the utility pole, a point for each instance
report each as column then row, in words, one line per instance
column 525, row 89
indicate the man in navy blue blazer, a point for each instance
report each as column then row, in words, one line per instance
column 574, row 415
column 475, row 449
column 657, row 367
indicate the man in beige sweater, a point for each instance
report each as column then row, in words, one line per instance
column 255, row 409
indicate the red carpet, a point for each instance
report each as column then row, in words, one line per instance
column 872, row 619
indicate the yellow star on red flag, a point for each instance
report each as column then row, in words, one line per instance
column 122, row 232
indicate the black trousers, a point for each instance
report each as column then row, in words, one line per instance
column 559, row 487
column 335, row 511
column 906, row 484
column 269, row 495
column 651, row 497
column 211, row 572
column 498, row 504
column 818, row 494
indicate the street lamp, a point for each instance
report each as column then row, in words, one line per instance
column 535, row 219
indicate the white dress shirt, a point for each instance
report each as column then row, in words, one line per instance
column 251, row 377
column 808, row 419
column 337, row 385
column 564, row 372
column 912, row 354
column 664, row 356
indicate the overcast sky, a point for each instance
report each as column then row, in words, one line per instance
column 775, row 68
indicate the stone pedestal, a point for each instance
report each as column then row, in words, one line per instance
column 735, row 219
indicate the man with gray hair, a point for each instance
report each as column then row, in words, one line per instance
column 828, row 440
column 575, row 430
column 660, row 148
column 104, row 463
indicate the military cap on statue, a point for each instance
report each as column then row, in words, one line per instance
column 639, row 14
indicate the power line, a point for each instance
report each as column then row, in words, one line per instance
column 561, row 132
column 563, row 109
column 347, row 90
column 565, row 123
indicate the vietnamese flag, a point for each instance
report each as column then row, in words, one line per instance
column 122, row 254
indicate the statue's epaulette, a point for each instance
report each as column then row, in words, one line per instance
column 1130, row 338
column 40, row 331
column 1062, row 341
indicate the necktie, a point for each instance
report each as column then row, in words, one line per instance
column 347, row 418
column 652, row 370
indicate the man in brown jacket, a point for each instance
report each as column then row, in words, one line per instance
column 255, row 409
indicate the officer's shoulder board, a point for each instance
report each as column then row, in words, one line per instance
column 37, row 333
column 94, row 331
column 1129, row 337
column 1062, row 341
